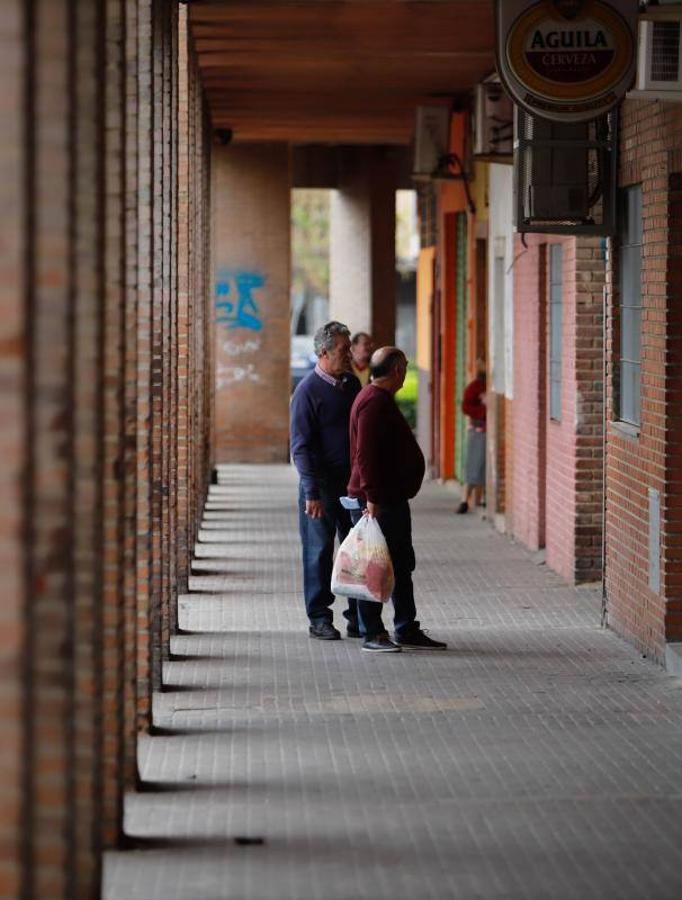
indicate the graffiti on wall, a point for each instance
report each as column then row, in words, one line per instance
column 229, row 375
column 235, row 304
column 232, row 366
column 237, row 312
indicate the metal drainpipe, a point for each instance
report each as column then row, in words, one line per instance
column 604, row 595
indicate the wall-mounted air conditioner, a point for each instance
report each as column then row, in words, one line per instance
column 431, row 141
column 659, row 58
column 564, row 175
column 493, row 122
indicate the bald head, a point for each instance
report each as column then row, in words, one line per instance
column 388, row 363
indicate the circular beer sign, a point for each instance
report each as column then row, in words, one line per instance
column 570, row 57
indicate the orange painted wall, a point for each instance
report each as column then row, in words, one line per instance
column 424, row 296
column 452, row 199
column 425, row 288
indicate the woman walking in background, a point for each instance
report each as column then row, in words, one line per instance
column 474, row 406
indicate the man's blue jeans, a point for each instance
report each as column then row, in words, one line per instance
column 396, row 523
column 317, row 538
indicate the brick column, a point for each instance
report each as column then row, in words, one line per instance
column 113, row 562
column 86, row 300
column 92, row 356
column 49, row 650
column 130, row 188
column 362, row 290
column 251, row 260
column 671, row 537
column 590, row 269
column 13, row 447
column 182, row 434
column 147, row 616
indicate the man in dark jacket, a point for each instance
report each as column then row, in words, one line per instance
column 387, row 469
column 320, row 449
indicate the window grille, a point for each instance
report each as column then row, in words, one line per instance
column 630, row 294
column 555, row 329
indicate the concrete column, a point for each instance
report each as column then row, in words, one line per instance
column 362, row 243
column 251, row 257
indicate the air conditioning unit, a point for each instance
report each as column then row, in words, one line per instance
column 564, row 175
column 432, row 139
column 547, row 199
column 493, row 122
column 659, row 58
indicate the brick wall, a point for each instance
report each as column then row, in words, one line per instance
column 588, row 374
column 252, row 274
column 647, row 457
column 557, row 462
column 105, row 354
column 527, row 407
column 12, row 447
column 672, row 533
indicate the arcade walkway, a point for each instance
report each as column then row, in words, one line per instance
column 539, row 757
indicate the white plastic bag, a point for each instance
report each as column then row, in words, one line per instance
column 363, row 566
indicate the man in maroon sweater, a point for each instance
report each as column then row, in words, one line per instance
column 387, row 469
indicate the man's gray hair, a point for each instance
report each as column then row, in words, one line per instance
column 325, row 337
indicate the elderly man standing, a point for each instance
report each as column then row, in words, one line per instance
column 387, row 470
column 320, row 449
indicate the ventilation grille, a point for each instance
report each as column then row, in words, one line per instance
column 665, row 51
column 658, row 58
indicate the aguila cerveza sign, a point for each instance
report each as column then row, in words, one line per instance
column 568, row 60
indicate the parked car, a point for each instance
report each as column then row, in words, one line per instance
column 303, row 357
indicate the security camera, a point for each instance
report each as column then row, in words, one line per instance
column 223, row 136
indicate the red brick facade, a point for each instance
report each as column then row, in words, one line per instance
column 647, row 458
column 106, row 409
column 555, row 468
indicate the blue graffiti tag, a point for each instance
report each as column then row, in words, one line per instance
column 234, row 302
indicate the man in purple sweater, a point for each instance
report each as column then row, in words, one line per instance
column 387, row 470
column 320, row 449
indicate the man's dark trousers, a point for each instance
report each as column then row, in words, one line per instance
column 317, row 539
column 396, row 523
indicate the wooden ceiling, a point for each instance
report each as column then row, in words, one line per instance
column 336, row 71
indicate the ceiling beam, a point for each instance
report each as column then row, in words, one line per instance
column 336, row 70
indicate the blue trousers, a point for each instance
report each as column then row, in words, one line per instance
column 396, row 523
column 317, row 539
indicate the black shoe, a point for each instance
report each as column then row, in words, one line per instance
column 325, row 631
column 353, row 629
column 462, row 508
column 417, row 640
column 381, row 643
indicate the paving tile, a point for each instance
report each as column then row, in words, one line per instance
column 539, row 757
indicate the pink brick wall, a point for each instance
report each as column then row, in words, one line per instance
column 560, row 499
column 527, row 408
column 556, row 465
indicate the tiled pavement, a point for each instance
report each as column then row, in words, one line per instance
column 540, row 757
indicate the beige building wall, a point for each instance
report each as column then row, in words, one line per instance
column 251, row 274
